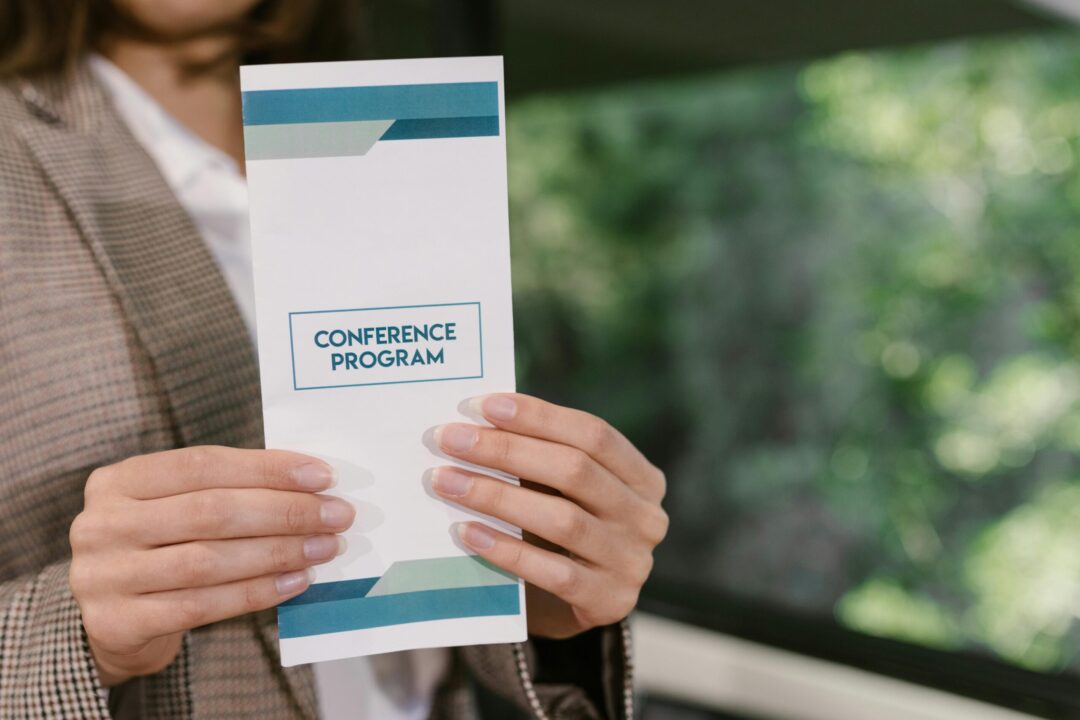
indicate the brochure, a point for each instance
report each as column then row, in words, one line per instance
column 381, row 252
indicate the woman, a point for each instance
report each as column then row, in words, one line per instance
column 146, row 539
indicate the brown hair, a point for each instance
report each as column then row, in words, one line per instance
column 47, row 36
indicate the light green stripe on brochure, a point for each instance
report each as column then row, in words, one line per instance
column 439, row 574
column 312, row 140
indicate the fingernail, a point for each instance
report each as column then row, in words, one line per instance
column 496, row 407
column 456, row 437
column 476, row 536
column 336, row 513
column 293, row 582
column 314, row 476
column 319, row 548
column 451, row 481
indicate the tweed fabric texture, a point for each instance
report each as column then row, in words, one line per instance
column 118, row 337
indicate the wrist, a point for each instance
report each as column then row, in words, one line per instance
column 109, row 675
column 115, row 669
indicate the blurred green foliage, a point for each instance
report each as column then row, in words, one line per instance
column 839, row 303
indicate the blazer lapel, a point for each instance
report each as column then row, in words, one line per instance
column 300, row 678
column 161, row 271
column 164, row 277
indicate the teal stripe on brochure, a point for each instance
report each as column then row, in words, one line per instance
column 337, row 590
column 312, row 140
column 370, row 612
column 370, row 102
column 486, row 126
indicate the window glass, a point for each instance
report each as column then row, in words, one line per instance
column 839, row 303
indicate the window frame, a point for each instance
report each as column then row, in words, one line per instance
column 965, row 673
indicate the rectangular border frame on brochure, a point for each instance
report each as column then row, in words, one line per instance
column 479, row 327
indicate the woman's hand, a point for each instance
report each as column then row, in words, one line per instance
column 593, row 505
column 174, row 540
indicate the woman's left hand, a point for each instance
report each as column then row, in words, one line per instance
column 590, row 508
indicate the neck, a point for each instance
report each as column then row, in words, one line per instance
column 206, row 100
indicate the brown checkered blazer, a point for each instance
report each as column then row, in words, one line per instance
column 116, row 333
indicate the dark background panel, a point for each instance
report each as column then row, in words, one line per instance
column 566, row 44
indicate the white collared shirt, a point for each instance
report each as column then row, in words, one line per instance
column 210, row 187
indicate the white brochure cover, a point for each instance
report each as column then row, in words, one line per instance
column 382, row 278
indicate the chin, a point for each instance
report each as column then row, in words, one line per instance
column 185, row 18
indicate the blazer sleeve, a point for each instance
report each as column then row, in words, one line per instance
column 46, row 669
column 585, row 678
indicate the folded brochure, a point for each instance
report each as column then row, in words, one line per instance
column 381, row 253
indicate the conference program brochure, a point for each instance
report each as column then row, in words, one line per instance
column 380, row 240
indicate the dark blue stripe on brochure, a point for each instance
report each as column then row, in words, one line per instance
column 371, row 102
column 382, row 610
column 339, row 590
column 443, row 128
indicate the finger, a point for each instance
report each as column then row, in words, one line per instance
column 552, row 518
column 222, row 514
column 564, row 468
column 173, row 472
column 582, row 587
column 537, row 418
column 173, row 611
column 214, row 562
column 551, row 571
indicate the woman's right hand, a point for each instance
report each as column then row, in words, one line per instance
column 177, row 539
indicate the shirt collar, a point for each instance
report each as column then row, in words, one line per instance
column 180, row 155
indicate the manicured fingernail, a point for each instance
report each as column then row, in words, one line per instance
column 336, row 513
column 456, row 437
column 293, row 582
column 476, row 536
column 496, row 407
column 314, row 476
column 451, row 481
column 320, row 548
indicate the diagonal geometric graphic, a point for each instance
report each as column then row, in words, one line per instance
column 438, row 573
column 309, row 140
column 409, row 591
column 348, row 121
column 370, row 612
